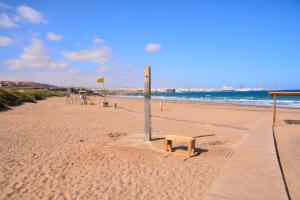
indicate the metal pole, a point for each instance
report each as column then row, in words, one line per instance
column 147, row 104
column 104, row 92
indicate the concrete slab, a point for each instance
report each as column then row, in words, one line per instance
column 137, row 141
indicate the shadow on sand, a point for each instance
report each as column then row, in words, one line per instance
column 290, row 121
column 4, row 108
column 198, row 151
column 199, row 136
column 157, row 138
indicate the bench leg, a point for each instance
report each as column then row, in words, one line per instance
column 168, row 145
column 189, row 144
column 191, row 148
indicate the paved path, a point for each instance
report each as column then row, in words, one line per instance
column 253, row 171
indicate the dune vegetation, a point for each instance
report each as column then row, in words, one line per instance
column 18, row 97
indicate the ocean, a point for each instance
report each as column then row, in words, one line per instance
column 256, row 98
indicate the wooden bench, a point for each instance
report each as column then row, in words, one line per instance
column 189, row 140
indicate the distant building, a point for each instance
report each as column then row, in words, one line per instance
column 227, row 88
column 170, row 90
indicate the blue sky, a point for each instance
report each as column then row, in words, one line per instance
column 188, row 43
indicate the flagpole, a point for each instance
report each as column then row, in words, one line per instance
column 104, row 91
column 101, row 80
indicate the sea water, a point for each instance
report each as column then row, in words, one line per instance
column 257, row 98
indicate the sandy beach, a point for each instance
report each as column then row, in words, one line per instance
column 54, row 150
column 149, row 100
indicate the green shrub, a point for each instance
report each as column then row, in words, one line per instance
column 7, row 98
column 15, row 98
column 56, row 94
column 35, row 94
column 43, row 94
column 23, row 96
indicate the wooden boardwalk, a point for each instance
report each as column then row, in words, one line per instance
column 288, row 142
column 253, row 171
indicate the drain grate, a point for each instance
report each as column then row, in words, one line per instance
column 292, row 121
column 219, row 151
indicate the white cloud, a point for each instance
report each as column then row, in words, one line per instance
column 115, row 76
column 5, row 41
column 59, row 77
column 35, row 56
column 102, row 69
column 150, row 48
column 98, row 40
column 54, row 37
column 24, row 13
column 6, row 21
column 101, row 55
column 30, row 14
column 4, row 6
column 121, row 75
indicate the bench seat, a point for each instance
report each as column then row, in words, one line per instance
column 189, row 140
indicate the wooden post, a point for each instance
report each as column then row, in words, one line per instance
column 147, row 104
column 274, row 112
column 161, row 105
column 275, row 94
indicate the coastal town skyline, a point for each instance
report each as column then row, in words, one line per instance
column 32, row 84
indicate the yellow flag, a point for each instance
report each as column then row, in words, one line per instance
column 100, row 80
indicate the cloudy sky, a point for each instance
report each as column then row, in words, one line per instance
column 187, row 43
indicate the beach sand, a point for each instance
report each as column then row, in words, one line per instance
column 52, row 150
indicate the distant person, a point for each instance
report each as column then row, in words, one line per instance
column 68, row 97
column 81, row 99
column 85, row 99
column 72, row 98
column 116, row 105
